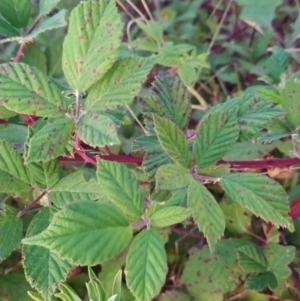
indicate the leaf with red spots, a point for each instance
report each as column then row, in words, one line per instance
column 92, row 44
column 120, row 84
column 26, row 90
column 291, row 100
column 51, row 141
column 259, row 194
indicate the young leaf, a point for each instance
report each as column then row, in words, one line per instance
column 120, row 187
column 262, row 196
column 146, row 265
column 120, row 84
column 14, row 178
column 252, row 260
column 171, row 176
column 214, row 137
column 82, row 242
column 67, row 293
column 92, row 43
column 153, row 29
column 290, row 100
column 187, row 73
column 94, row 287
column 261, row 281
column 74, row 188
column 278, row 63
column 117, row 286
column 10, row 234
column 173, row 141
column 43, row 269
column 170, row 99
column 51, row 141
column 168, row 216
column 16, row 12
column 97, row 130
column 26, row 90
column 46, row 6
column 206, row 212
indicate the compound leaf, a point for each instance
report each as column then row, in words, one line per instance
column 173, row 141
column 120, row 187
column 92, row 43
column 262, row 196
column 146, row 265
column 206, row 212
column 25, row 90
column 214, row 137
column 74, row 188
column 43, row 269
column 261, row 281
column 82, row 242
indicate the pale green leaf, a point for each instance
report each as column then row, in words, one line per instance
column 74, row 188
column 117, row 286
column 82, row 242
column 146, row 265
column 46, row 6
column 16, row 12
column 51, row 141
column 214, row 137
column 5, row 113
column 7, row 29
column 120, row 187
column 120, row 84
column 187, row 73
column 67, row 293
column 168, row 216
column 92, row 43
column 35, row 296
column 279, row 257
column 26, row 90
column 259, row 194
column 94, row 287
column 171, row 176
column 252, row 260
column 261, row 12
column 261, row 281
column 153, row 29
column 10, row 235
column 56, row 21
column 173, row 141
column 97, row 130
column 206, row 212
column 291, row 101
column 43, row 269
column 169, row 99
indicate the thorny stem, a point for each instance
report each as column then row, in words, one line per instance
column 206, row 178
column 33, row 203
column 264, row 241
column 77, row 105
column 187, row 233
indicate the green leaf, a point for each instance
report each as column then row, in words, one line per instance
column 26, row 90
column 15, row 12
column 120, row 187
column 92, row 43
column 279, row 257
column 51, row 141
column 153, row 161
column 261, row 281
column 146, row 265
column 173, row 141
column 206, row 212
column 44, row 174
column 94, row 287
column 43, row 269
column 290, row 99
column 82, row 243
column 117, row 286
column 168, row 216
column 74, row 188
column 262, row 13
column 153, row 29
column 35, row 296
column 13, row 175
column 5, row 113
column 97, row 130
column 261, row 195
column 10, row 235
column 171, row 176
column 56, row 21
column 252, row 260
column 67, row 293
column 7, row 29
column 187, row 73
column 208, row 277
column 214, row 137
column 277, row 63
column 120, row 84
column 46, row 6
column 169, row 99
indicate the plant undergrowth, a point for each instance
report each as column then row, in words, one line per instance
column 149, row 150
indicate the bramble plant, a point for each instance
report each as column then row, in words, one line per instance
column 110, row 156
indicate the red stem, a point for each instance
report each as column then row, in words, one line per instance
column 187, row 233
